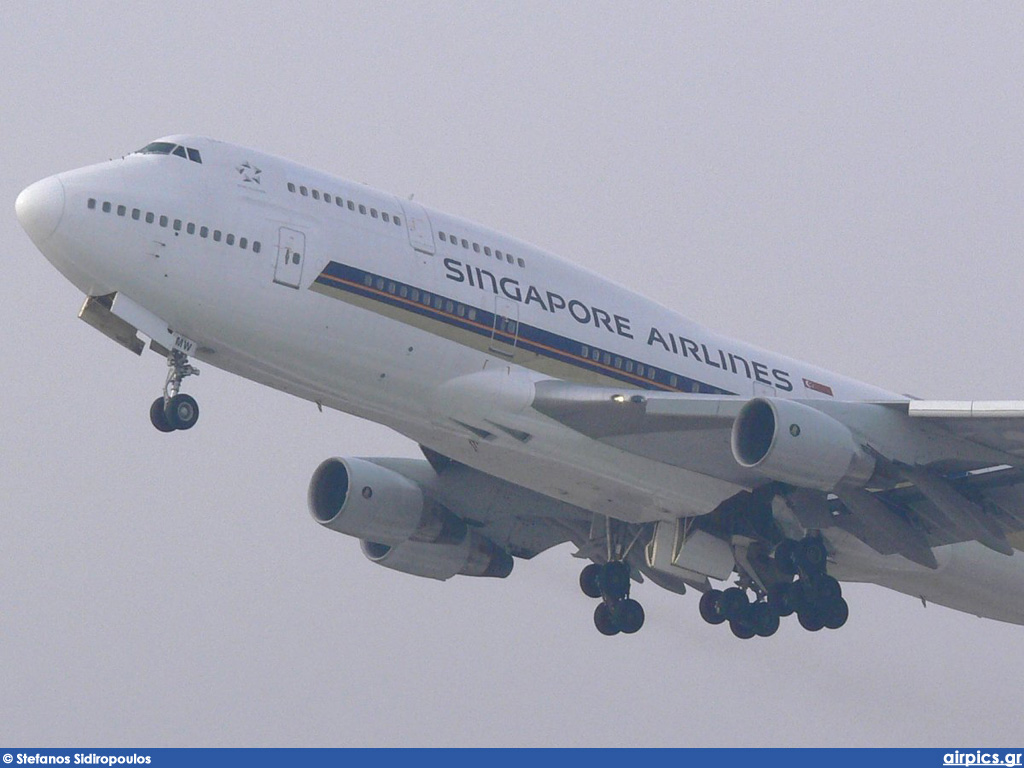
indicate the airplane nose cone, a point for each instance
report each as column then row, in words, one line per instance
column 40, row 207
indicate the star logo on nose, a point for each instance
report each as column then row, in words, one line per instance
column 250, row 173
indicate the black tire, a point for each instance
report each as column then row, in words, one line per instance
column 629, row 615
column 615, row 580
column 734, row 602
column 811, row 619
column 826, row 589
column 742, row 627
column 711, row 606
column 604, row 620
column 785, row 557
column 764, row 619
column 811, row 556
column 182, row 412
column 590, row 580
column 836, row 613
column 783, row 599
column 158, row 417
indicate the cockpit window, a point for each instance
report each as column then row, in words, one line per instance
column 157, row 148
column 167, row 148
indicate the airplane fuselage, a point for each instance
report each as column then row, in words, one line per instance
column 435, row 326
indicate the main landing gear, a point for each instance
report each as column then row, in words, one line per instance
column 815, row 597
column 175, row 410
column 616, row 612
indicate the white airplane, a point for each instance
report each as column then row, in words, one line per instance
column 551, row 405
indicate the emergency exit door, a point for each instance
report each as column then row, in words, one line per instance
column 291, row 255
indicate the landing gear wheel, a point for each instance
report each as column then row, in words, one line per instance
column 604, row 620
column 711, row 606
column 836, row 613
column 733, row 602
column 783, row 599
column 590, row 580
column 742, row 626
column 785, row 557
column 629, row 615
column 158, row 417
column 615, row 580
column 764, row 619
column 826, row 589
column 811, row 618
column 812, row 556
column 182, row 412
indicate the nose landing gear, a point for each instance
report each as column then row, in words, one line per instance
column 175, row 410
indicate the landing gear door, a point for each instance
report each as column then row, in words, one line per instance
column 417, row 223
column 291, row 255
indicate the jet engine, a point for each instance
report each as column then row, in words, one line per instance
column 474, row 556
column 800, row 445
column 368, row 501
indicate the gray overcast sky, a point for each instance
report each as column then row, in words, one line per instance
column 842, row 183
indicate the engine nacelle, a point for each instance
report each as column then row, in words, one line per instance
column 365, row 500
column 800, row 445
column 474, row 556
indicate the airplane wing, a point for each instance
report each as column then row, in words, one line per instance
column 943, row 471
column 690, row 431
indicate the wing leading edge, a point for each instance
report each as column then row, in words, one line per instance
column 944, row 471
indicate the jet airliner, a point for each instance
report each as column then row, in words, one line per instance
column 550, row 404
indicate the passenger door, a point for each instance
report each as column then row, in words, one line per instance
column 505, row 331
column 417, row 223
column 291, row 255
